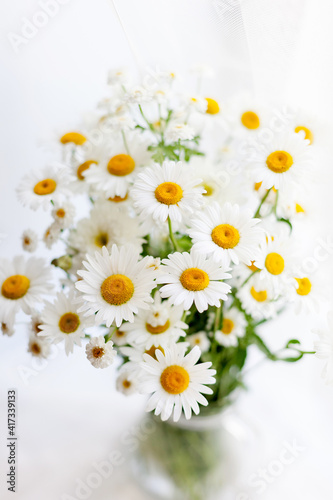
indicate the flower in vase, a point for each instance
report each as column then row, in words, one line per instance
column 29, row 241
column 117, row 167
column 167, row 191
column 285, row 159
column 192, row 278
column 227, row 233
column 159, row 325
column 199, row 339
column 23, row 283
column 233, row 327
column 39, row 187
column 62, row 321
column 101, row 354
column 115, row 286
column 176, row 382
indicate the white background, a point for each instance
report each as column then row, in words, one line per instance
column 69, row 414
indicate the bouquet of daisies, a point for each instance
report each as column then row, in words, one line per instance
column 171, row 240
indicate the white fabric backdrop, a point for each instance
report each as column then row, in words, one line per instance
column 69, row 414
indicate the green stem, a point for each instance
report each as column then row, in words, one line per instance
column 171, row 235
column 257, row 214
column 125, row 143
column 145, row 119
column 248, row 278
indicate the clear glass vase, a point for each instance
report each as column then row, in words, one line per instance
column 192, row 459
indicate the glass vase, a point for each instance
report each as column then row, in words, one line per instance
column 192, row 459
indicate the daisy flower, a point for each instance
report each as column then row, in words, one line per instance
column 191, row 277
column 38, row 347
column 36, row 321
column 227, row 233
column 257, row 299
column 118, row 168
column 105, row 227
column 7, row 323
column 176, row 382
column 324, row 349
column 158, row 326
column 101, row 354
column 119, row 76
column 178, row 132
column 40, row 187
column 276, row 261
column 63, row 214
column 167, row 191
column 23, row 284
column 309, row 294
column 62, row 321
column 29, row 241
column 52, row 234
column 115, row 286
column 285, row 159
column 126, row 383
column 199, row 339
column 119, row 336
column 233, row 327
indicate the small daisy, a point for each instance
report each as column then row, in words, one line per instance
column 324, row 349
column 159, row 325
column 116, row 285
column 29, row 241
column 233, row 327
column 213, row 107
column 40, row 187
column 284, row 160
column 62, row 321
column 138, row 95
column 101, row 354
column 52, row 235
column 309, row 294
column 227, row 233
column 176, row 382
column 23, row 283
column 105, row 227
column 38, row 347
column 178, row 132
column 119, row 336
column 63, row 214
column 36, row 321
column 167, row 191
column 119, row 76
column 276, row 262
column 118, row 168
column 257, row 300
column 191, row 277
column 7, row 323
column 200, row 339
column 126, row 383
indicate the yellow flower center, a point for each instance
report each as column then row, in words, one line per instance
column 69, row 322
column 35, row 348
column 168, row 193
column 299, row 209
column 152, row 351
column 194, row 279
column 119, row 333
column 83, row 167
column 252, row 267
column 258, row 296
column 118, row 199
column 126, row 384
column 175, row 379
column 209, row 189
column 308, row 133
column 225, row 236
column 47, row 186
column 121, row 165
column 304, row 286
column 250, row 120
column 155, row 330
column 60, row 213
column 98, row 352
column 101, row 240
column 279, row 161
column 117, row 289
column 257, row 186
column 73, row 137
column 212, row 106
column 227, row 326
column 15, row 287
column 274, row 263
